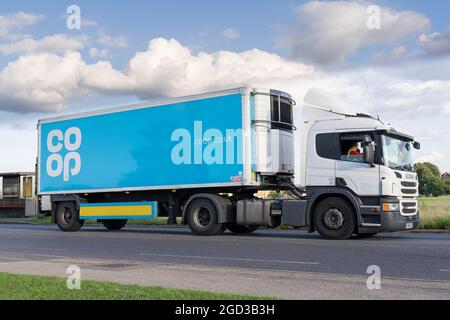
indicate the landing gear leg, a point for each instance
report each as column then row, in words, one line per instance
column 172, row 221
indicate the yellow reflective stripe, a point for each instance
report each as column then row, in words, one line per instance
column 116, row 211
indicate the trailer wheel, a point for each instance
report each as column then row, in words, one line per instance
column 334, row 218
column 242, row 229
column 203, row 217
column 114, row 224
column 68, row 217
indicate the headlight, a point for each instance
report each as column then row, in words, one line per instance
column 388, row 207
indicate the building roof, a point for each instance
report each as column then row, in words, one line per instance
column 17, row 174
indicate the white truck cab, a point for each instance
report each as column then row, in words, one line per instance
column 359, row 159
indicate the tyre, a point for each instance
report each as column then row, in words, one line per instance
column 203, row 217
column 68, row 217
column 242, row 229
column 334, row 218
column 114, row 224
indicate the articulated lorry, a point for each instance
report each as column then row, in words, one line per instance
column 205, row 158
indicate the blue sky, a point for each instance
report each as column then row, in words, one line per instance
column 400, row 68
column 141, row 20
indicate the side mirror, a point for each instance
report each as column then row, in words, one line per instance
column 416, row 145
column 367, row 139
column 369, row 154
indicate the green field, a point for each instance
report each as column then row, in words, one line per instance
column 18, row 287
column 435, row 213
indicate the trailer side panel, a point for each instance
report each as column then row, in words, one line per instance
column 181, row 145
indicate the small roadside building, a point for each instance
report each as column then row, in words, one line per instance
column 18, row 193
column 446, row 176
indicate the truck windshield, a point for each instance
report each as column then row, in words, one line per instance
column 397, row 154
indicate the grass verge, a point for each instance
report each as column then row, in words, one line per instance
column 435, row 213
column 20, row 287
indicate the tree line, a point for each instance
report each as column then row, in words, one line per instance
column 430, row 180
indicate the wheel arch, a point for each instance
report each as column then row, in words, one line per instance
column 319, row 195
column 57, row 199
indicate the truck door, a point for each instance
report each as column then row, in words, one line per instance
column 351, row 171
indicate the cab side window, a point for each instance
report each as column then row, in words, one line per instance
column 341, row 146
column 351, row 148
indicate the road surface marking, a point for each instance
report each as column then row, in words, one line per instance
column 32, row 248
column 13, row 258
column 229, row 259
column 444, row 270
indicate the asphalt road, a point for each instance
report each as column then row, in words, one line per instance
column 412, row 256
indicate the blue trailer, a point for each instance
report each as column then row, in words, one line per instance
column 201, row 157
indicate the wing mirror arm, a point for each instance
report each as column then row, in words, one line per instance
column 369, row 151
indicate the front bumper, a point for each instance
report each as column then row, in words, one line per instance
column 377, row 222
column 394, row 221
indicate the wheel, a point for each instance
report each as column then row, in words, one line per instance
column 366, row 235
column 114, row 224
column 68, row 217
column 334, row 218
column 242, row 229
column 203, row 217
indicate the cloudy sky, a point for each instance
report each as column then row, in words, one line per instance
column 128, row 51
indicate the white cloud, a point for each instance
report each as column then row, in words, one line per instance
column 45, row 82
column 169, row 69
column 436, row 43
column 446, row 108
column 433, row 157
column 40, row 82
column 417, row 97
column 230, row 33
column 99, row 53
column 327, row 32
column 86, row 23
column 397, row 54
column 51, row 44
column 428, row 135
column 102, row 77
column 111, row 41
column 17, row 22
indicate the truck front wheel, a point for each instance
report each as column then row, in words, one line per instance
column 68, row 217
column 114, row 224
column 203, row 218
column 334, row 218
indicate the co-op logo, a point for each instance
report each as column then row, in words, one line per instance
column 64, row 160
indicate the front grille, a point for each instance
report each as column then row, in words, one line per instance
column 409, row 208
column 409, row 184
column 409, row 204
column 409, row 191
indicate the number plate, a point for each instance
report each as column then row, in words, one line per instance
column 410, row 226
